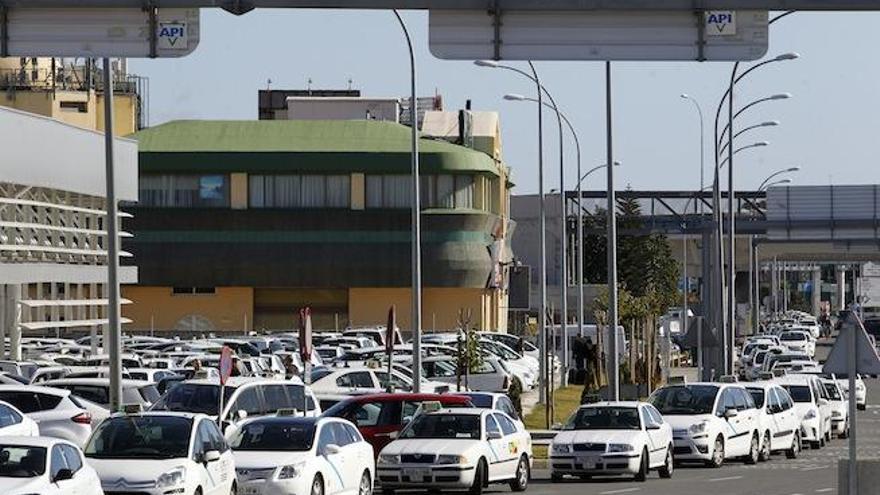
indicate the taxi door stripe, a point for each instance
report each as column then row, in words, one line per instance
column 335, row 471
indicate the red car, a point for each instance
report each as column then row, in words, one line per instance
column 379, row 415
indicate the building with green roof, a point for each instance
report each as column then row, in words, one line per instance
column 241, row 223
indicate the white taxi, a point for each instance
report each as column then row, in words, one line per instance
column 613, row 438
column 711, row 422
column 45, row 466
column 457, row 449
column 161, row 453
column 861, row 391
column 839, row 407
column 779, row 424
column 813, row 410
column 286, row 455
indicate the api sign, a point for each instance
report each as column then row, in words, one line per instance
column 720, row 23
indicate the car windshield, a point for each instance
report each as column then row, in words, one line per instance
column 457, row 426
column 792, row 336
column 685, row 399
column 757, row 395
column 274, row 435
column 20, row 461
column 799, row 393
column 833, row 391
column 141, row 437
column 483, row 401
column 759, row 357
column 192, row 397
column 439, row 368
column 604, row 418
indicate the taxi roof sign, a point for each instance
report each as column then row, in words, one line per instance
column 132, row 408
column 430, row 406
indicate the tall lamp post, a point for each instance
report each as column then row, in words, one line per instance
column 416, row 218
column 728, row 324
column 542, row 327
column 702, row 140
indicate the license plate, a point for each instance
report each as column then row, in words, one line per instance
column 416, row 474
column 588, row 463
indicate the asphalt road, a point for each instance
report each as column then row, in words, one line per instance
column 813, row 472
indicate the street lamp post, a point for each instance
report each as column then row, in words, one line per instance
column 416, row 217
column 702, row 141
column 614, row 368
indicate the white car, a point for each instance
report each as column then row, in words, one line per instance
column 814, row 411
column 798, row 341
column 97, row 390
column 711, row 422
column 302, row 456
column 45, row 466
column 779, row 424
column 839, row 407
column 15, row 423
column 159, row 453
column 56, row 412
column 861, row 390
column 457, row 449
column 613, row 438
column 489, row 376
column 243, row 397
column 359, row 380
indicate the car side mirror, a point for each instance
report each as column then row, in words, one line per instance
column 731, row 413
column 823, row 402
column 211, row 456
column 652, row 425
column 494, row 435
column 556, row 426
column 331, row 449
column 63, row 475
column 240, row 414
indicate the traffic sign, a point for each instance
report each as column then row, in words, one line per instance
column 838, row 362
column 100, row 32
column 598, row 35
column 225, row 364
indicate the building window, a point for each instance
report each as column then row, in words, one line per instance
column 190, row 291
column 389, row 191
column 448, row 191
column 74, row 106
column 184, row 191
column 299, row 191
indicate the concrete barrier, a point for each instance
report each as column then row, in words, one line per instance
column 869, row 476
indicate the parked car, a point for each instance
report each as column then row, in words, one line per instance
column 839, row 407
column 814, row 410
column 295, row 455
column 13, row 422
column 711, row 422
column 379, row 416
column 779, row 423
column 157, row 453
column 97, row 390
column 56, row 412
column 613, row 438
column 494, row 400
column 45, row 466
column 489, row 376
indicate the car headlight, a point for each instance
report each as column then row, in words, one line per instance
column 811, row 414
column 290, row 471
column 389, row 459
column 451, row 459
column 698, row 428
column 620, row 447
column 172, row 478
column 561, row 448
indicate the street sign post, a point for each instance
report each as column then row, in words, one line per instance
column 225, row 373
column 852, row 354
column 389, row 342
column 92, row 32
column 598, row 35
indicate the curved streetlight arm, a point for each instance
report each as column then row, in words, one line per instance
column 726, row 129
column 776, row 174
column 741, row 148
column 776, row 183
column 749, row 128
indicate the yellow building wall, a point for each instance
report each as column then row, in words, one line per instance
column 38, row 102
column 124, row 114
column 238, row 191
column 226, row 308
column 440, row 307
column 358, row 192
column 41, row 102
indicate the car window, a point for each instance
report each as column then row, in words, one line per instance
column 397, row 382
column 483, row 368
column 366, row 414
column 201, row 442
column 655, row 414
column 772, row 401
column 747, row 397
column 92, row 393
column 356, row 379
column 506, row 407
column 149, row 393
column 726, row 402
column 216, row 438
column 355, row 434
column 784, row 399
column 8, row 417
column 248, row 400
column 343, row 437
column 507, row 426
column 71, row 455
column 325, row 438
column 57, row 462
column 26, row 402
column 646, row 418
column 491, row 424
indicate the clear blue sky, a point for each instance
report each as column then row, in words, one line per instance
column 829, row 128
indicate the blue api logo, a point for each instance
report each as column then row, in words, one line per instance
column 721, row 22
column 172, row 35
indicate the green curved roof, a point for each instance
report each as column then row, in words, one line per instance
column 291, row 146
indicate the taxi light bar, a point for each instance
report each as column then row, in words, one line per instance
column 765, row 375
column 727, row 379
column 132, row 408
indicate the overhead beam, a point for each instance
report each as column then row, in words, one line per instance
column 481, row 5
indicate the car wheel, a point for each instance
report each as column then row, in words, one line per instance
column 642, row 475
column 822, row 441
column 754, row 449
column 795, row 449
column 479, row 478
column 521, row 481
column 366, row 486
column 717, row 454
column 317, row 486
column 668, row 465
column 765, row 448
